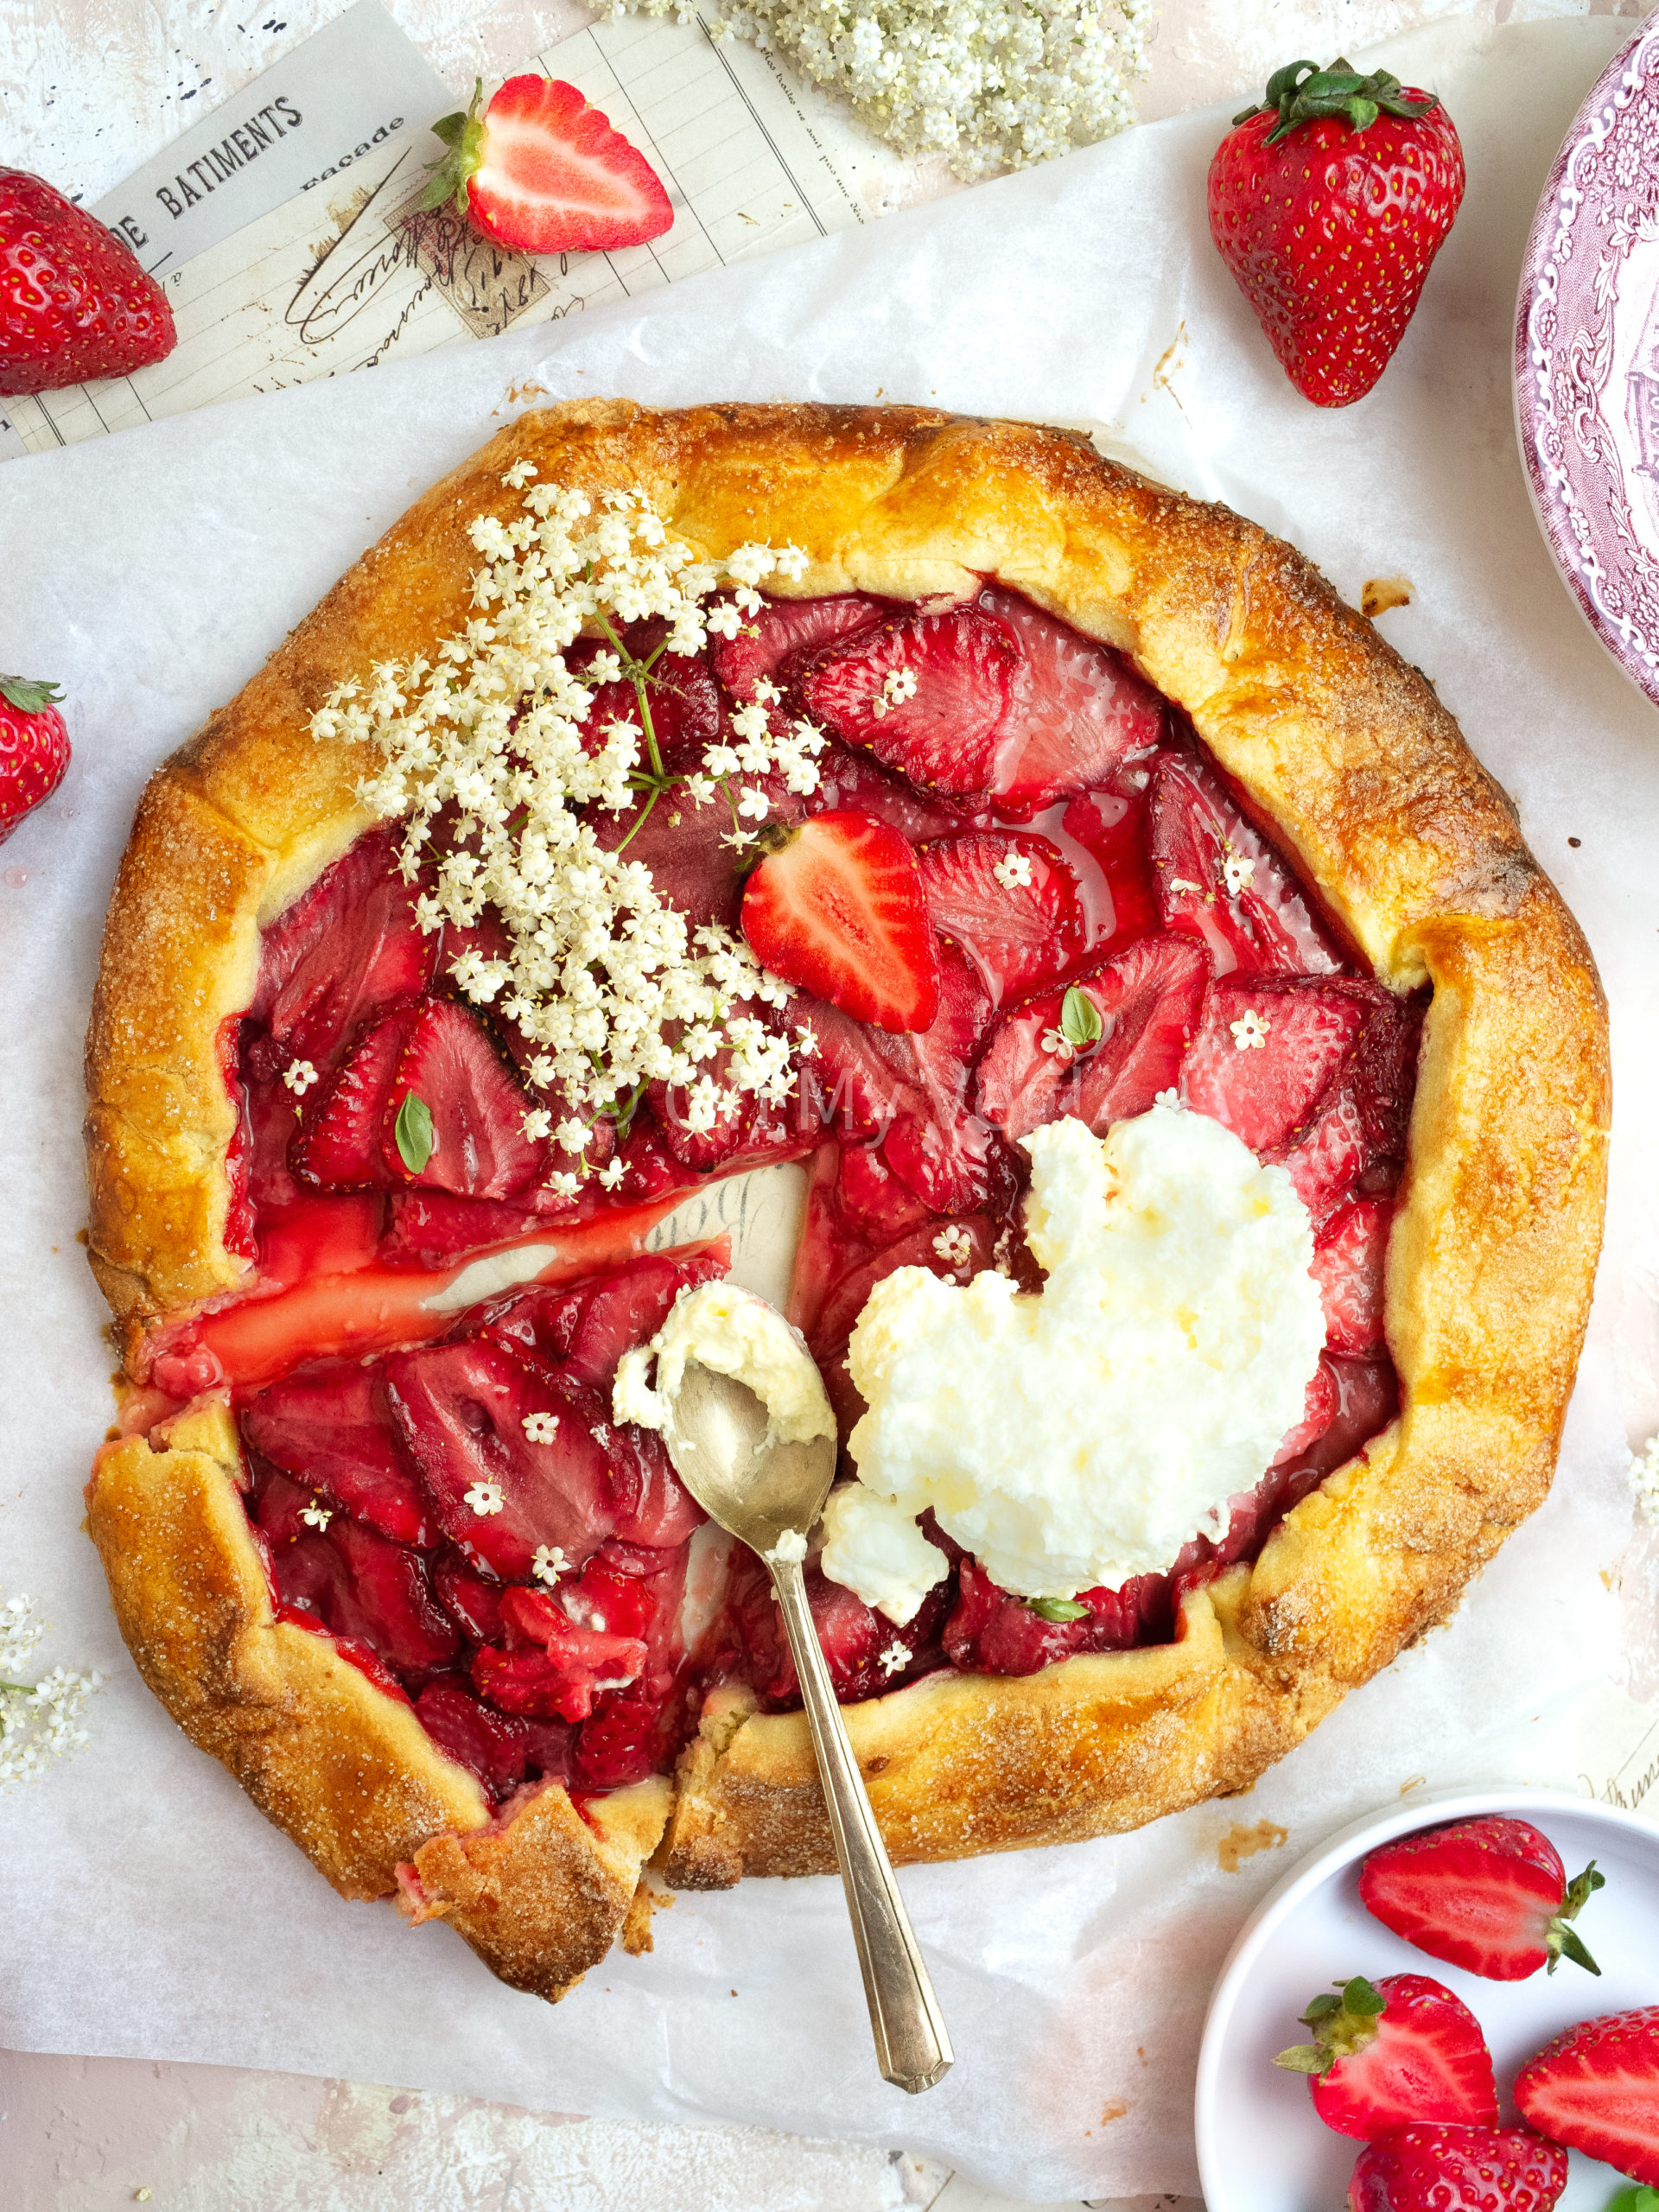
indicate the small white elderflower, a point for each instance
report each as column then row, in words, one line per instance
column 300, row 1078
column 1250, row 1031
column 549, row 1564
column 1180, row 883
column 954, row 1246
column 537, row 1122
column 485, row 1497
column 612, row 1172
column 1235, row 872
column 1644, row 1479
column 899, row 685
column 1013, row 871
column 1170, row 1098
column 41, row 1721
column 896, row 1656
column 1057, row 1042
column 572, row 1135
column 765, row 692
column 754, row 806
column 316, row 1514
column 541, row 1429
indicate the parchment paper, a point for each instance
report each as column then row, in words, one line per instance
column 147, row 1908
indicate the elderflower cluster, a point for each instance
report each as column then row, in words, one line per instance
column 40, row 1721
column 993, row 84
column 484, row 759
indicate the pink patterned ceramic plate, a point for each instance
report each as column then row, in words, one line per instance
column 1586, row 359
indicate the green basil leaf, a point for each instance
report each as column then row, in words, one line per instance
column 1058, row 1610
column 416, row 1140
column 1079, row 1019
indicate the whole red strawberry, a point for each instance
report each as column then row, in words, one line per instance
column 33, row 748
column 1328, row 204
column 540, row 171
column 1389, row 2055
column 74, row 303
column 1489, row 1895
column 1596, row 2089
column 1458, row 2170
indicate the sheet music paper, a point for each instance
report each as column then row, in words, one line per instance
column 347, row 271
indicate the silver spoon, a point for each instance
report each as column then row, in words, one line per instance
column 761, row 1493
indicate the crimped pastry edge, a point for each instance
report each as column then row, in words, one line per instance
column 1356, row 767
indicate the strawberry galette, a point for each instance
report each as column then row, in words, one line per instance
column 1199, row 1093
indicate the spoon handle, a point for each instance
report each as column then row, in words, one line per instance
column 911, row 2041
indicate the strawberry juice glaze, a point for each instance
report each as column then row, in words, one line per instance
column 446, row 1494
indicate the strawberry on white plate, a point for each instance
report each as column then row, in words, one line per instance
column 542, row 172
column 1489, row 1895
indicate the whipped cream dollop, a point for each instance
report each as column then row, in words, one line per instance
column 1076, row 1437
column 717, row 1326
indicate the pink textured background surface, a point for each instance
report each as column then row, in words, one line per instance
column 89, row 89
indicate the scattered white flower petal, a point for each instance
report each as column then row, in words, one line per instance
column 1235, row 872
column 1250, row 1031
column 954, row 1246
column 300, row 1078
column 896, row 1656
column 550, row 1563
column 1056, row 1041
column 541, row 1429
column 485, row 1497
column 1014, row 871
column 316, row 1516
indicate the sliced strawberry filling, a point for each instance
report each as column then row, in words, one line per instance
column 1076, row 712
column 926, row 693
column 330, row 1427
column 1219, row 880
column 445, row 1494
column 346, row 950
column 1012, row 904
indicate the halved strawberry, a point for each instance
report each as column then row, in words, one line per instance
column 1265, row 1055
column 502, row 1751
column 784, row 628
column 1074, row 713
column 1350, row 1262
column 330, row 1429
column 542, row 172
column 1327, row 1159
column 462, row 1410
column 1220, row 881
column 1021, row 929
column 475, row 1107
column 1384, row 2057
column 927, row 694
column 344, row 952
column 1447, row 2169
column 1596, row 2089
column 836, row 906
column 1148, row 1000
column 357, row 1583
column 1489, row 1895
column 339, row 1148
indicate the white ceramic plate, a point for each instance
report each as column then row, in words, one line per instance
column 1261, row 2148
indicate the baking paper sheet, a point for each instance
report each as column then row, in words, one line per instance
column 147, row 1910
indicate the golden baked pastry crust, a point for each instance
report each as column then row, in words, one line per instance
column 1361, row 774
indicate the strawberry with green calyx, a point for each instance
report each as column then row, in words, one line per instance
column 1490, row 1895
column 542, row 172
column 1388, row 2055
column 1328, row 203
column 33, row 748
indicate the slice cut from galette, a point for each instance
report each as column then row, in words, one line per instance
column 1199, row 1093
